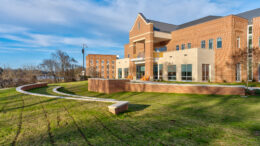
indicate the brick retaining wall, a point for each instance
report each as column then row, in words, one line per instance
column 106, row 85
column 182, row 88
column 32, row 86
column 112, row 86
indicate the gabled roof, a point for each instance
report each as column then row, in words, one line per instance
column 249, row 15
column 198, row 21
column 164, row 27
column 160, row 26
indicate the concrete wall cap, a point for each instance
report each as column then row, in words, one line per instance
column 179, row 84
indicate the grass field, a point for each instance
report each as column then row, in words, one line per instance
column 152, row 119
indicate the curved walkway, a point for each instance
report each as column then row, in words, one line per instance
column 117, row 107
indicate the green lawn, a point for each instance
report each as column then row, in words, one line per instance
column 152, row 119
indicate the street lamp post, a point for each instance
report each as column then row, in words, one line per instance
column 83, row 53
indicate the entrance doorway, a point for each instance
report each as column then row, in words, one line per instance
column 157, row 71
column 140, row 71
column 238, row 72
column 205, row 72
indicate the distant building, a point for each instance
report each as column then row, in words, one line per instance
column 101, row 66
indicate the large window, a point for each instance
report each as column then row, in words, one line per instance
column 238, row 72
column 186, row 72
column 219, row 42
column 238, row 42
column 205, row 72
column 203, row 45
column 140, row 71
column 125, row 72
column 171, row 72
column 177, row 47
column 250, row 30
column 211, row 44
column 157, row 72
column 189, row 45
column 183, row 46
column 119, row 73
column 250, row 44
column 161, row 49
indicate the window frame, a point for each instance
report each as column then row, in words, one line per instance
column 189, row 45
column 177, row 47
column 211, row 47
column 238, row 72
column 238, row 42
column 172, row 77
column 182, row 46
column 119, row 73
column 219, row 43
column 203, row 44
column 187, row 78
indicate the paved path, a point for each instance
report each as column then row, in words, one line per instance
column 117, row 104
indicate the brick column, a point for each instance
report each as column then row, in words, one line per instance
column 132, row 66
column 149, row 47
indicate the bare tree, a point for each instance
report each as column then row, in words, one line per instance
column 64, row 64
column 248, row 58
column 49, row 66
column 92, row 72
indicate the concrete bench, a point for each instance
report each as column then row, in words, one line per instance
column 118, row 107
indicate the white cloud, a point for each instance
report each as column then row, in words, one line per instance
column 42, row 40
column 116, row 14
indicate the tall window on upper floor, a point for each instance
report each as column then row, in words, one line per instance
column 189, row 45
column 259, row 42
column 183, row 46
column 250, row 43
column 203, row 45
column 238, row 42
column 219, row 42
column 177, row 47
column 139, row 25
column 250, row 30
column 211, row 44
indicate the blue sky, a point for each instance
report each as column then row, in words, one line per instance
column 30, row 30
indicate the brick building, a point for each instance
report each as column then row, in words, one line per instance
column 101, row 66
column 200, row 50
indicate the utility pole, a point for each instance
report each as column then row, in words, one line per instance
column 83, row 53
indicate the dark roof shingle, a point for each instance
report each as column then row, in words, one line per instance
column 249, row 15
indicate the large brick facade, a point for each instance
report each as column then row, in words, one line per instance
column 144, row 38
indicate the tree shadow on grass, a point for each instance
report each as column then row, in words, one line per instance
column 30, row 105
column 64, row 90
column 136, row 107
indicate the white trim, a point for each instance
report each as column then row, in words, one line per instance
column 139, row 15
column 141, row 39
column 140, row 35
